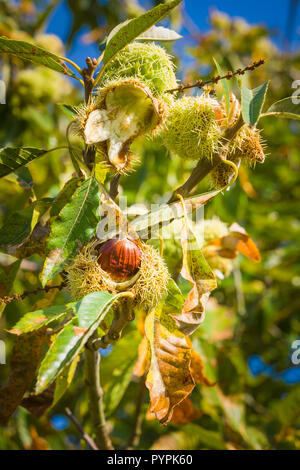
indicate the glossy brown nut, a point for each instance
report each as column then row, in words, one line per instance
column 121, row 258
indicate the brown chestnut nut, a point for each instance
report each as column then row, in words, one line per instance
column 121, row 258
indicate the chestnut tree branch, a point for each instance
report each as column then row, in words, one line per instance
column 201, row 83
column 92, row 371
column 7, row 299
column 90, row 442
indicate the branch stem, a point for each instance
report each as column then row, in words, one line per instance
column 92, row 367
column 202, row 83
column 90, row 442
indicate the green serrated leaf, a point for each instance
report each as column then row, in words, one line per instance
column 34, row 54
column 155, row 33
column 89, row 312
column 135, row 28
column 34, row 320
column 64, row 196
column 75, row 224
column 285, row 108
column 13, row 158
column 252, row 102
column 23, row 177
column 64, row 380
column 225, row 85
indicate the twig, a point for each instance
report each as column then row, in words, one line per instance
column 6, row 299
column 92, row 366
column 205, row 166
column 84, row 435
column 88, row 77
column 136, row 433
column 201, row 83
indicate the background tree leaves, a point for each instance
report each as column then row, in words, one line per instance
column 23, row 364
column 169, row 378
column 13, row 158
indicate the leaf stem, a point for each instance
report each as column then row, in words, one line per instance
column 73, row 64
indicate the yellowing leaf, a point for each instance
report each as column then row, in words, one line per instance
column 169, row 378
column 142, row 363
column 100, row 170
column 237, row 241
column 197, row 271
column 197, row 370
column 185, row 413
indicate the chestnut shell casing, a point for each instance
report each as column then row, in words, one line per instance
column 120, row 258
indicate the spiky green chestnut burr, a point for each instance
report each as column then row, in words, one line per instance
column 192, row 127
column 249, row 143
column 147, row 63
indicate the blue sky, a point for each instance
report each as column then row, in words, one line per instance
column 273, row 13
